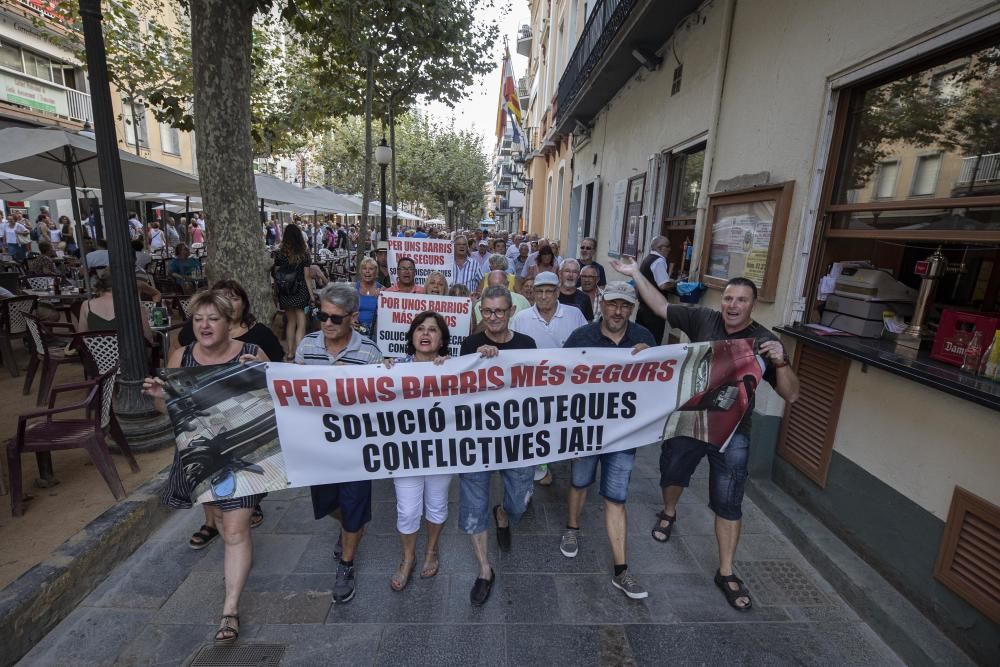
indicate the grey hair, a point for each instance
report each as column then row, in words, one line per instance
column 498, row 262
column 568, row 261
column 588, row 266
column 342, row 295
column 497, row 292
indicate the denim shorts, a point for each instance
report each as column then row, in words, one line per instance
column 616, row 470
column 727, row 475
column 474, row 497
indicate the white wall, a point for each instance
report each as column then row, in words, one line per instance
column 920, row 441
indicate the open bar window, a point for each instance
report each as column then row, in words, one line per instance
column 915, row 166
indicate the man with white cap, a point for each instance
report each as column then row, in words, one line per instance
column 613, row 330
column 549, row 323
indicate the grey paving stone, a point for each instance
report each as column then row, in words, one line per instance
column 696, row 644
column 298, row 518
column 644, row 556
column 590, row 598
column 88, row 636
column 705, row 549
column 692, row 519
column 559, row 645
column 324, row 644
column 147, row 579
column 515, row 598
column 591, row 516
column 197, row 600
column 540, row 553
column 318, row 553
column 854, row 643
column 274, row 510
column 179, row 526
column 422, row 601
column 165, row 645
column 272, row 553
column 443, row 645
column 693, row 598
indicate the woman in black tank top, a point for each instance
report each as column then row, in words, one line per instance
column 213, row 315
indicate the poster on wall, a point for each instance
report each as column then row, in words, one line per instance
column 741, row 236
column 617, row 213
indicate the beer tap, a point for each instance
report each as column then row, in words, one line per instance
column 931, row 270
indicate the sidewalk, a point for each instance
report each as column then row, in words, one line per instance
column 163, row 604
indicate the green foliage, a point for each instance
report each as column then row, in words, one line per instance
column 436, row 162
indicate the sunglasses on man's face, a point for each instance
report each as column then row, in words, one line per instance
column 336, row 319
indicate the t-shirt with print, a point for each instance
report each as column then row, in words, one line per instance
column 706, row 324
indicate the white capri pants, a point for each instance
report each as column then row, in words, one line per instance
column 421, row 494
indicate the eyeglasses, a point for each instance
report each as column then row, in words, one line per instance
column 336, row 319
column 498, row 312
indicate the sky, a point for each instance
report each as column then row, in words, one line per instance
column 478, row 111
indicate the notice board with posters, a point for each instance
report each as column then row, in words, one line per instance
column 745, row 235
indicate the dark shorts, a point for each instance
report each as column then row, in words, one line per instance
column 353, row 499
column 727, row 476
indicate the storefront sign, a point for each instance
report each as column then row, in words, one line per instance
column 33, row 94
column 428, row 254
column 397, row 309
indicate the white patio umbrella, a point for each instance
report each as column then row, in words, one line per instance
column 49, row 155
column 19, row 187
column 342, row 203
column 274, row 190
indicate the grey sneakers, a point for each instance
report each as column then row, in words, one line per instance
column 569, row 545
column 627, row 584
column 343, row 588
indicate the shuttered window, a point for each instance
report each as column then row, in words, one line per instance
column 969, row 558
column 810, row 423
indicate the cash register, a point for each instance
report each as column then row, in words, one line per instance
column 861, row 296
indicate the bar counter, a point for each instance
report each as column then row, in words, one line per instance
column 881, row 353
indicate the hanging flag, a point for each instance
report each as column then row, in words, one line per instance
column 510, row 103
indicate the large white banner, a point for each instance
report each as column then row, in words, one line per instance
column 397, row 309
column 524, row 407
column 428, row 254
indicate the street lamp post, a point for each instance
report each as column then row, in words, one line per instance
column 451, row 205
column 383, row 155
column 144, row 428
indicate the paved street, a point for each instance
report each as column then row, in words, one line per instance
column 163, row 604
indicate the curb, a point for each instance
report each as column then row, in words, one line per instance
column 893, row 617
column 43, row 596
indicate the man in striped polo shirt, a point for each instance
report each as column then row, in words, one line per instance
column 349, row 502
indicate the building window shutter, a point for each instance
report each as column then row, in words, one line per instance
column 969, row 558
column 810, row 424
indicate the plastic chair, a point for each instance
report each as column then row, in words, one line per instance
column 35, row 434
column 98, row 351
column 12, row 325
column 45, row 354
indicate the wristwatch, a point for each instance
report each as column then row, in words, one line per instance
column 784, row 361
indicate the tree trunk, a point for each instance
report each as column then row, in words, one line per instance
column 392, row 143
column 365, row 196
column 220, row 48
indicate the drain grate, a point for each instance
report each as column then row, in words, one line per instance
column 780, row 582
column 240, row 655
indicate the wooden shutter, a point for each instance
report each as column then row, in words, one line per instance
column 969, row 558
column 810, row 423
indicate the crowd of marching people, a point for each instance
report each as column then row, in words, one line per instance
column 527, row 294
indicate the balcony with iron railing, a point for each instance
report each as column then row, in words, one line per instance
column 524, row 41
column 603, row 60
